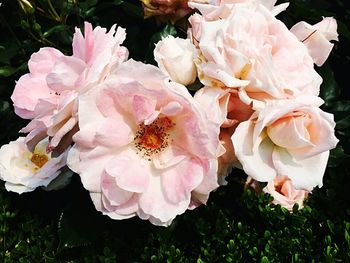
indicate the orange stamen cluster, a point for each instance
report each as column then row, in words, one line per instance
column 39, row 159
column 152, row 139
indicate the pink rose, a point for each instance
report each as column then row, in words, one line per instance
column 317, row 38
column 224, row 108
column 287, row 138
column 220, row 9
column 175, row 58
column 48, row 94
column 284, row 193
column 252, row 51
column 144, row 147
column 23, row 171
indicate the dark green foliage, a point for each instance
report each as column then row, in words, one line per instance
column 235, row 225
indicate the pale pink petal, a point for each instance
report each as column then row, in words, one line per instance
column 317, row 38
column 178, row 182
column 256, row 160
column 65, row 74
column 113, row 133
column 143, row 107
column 115, row 195
column 133, row 178
column 43, row 61
column 154, row 203
column 305, row 174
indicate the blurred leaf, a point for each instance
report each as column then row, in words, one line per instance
column 4, row 106
column 329, row 88
column 344, row 123
column 7, row 71
column 341, row 106
column 87, row 4
column 343, row 30
column 8, row 50
column 337, row 156
column 55, row 29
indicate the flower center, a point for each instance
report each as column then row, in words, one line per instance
column 39, row 159
column 152, row 139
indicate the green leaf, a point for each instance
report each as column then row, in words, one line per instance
column 55, row 29
column 7, row 71
column 341, row 106
column 343, row 30
column 87, row 4
column 337, row 156
column 329, row 88
column 344, row 123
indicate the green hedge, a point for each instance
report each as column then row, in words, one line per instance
column 235, row 225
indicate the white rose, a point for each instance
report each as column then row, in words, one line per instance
column 175, row 58
column 23, row 170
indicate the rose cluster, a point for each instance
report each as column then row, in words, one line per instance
column 144, row 146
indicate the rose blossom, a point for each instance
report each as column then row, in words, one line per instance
column 284, row 193
column 226, row 110
column 252, row 51
column 175, row 58
column 316, row 38
column 48, row 94
column 219, row 9
column 144, row 146
column 23, row 171
column 287, row 138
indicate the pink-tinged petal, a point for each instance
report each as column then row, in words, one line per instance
column 37, row 130
column 27, row 94
column 114, row 133
column 125, row 210
column 155, row 204
column 133, row 178
column 214, row 102
column 172, row 108
column 42, row 62
column 114, row 194
column 209, row 182
column 83, row 47
column 169, row 157
column 290, row 132
column 132, row 68
column 143, row 107
column 317, row 38
column 284, row 193
column 178, row 182
column 305, row 174
column 64, row 129
column 321, row 132
column 189, row 134
column 89, row 165
column 255, row 156
column 65, row 74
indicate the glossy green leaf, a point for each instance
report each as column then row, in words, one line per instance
column 55, row 29
column 329, row 88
